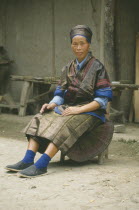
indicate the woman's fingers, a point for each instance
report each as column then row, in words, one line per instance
column 51, row 106
column 71, row 110
column 44, row 106
column 47, row 106
column 66, row 112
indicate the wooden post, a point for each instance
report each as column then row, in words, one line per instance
column 136, row 93
column 53, row 38
column 24, row 97
column 102, row 23
column 108, row 27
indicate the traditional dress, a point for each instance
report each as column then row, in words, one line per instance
column 77, row 88
column 81, row 83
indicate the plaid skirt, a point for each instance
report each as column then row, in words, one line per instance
column 63, row 131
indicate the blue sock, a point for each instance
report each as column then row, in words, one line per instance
column 43, row 161
column 29, row 157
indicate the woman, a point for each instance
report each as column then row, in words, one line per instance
column 78, row 105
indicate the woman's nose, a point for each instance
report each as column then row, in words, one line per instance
column 78, row 46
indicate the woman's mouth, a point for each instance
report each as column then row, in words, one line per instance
column 79, row 53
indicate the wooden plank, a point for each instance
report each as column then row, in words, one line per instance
column 136, row 93
column 43, row 80
column 126, row 86
column 20, row 78
column 10, row 106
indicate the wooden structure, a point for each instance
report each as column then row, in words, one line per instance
column 136, row 94
column 28, row 83
column 117, row 90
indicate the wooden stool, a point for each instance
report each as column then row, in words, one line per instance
column 92, row 144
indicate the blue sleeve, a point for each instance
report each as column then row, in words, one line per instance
column 104, row 92
column 59, row 92
column 57, row 100
column 103, row 101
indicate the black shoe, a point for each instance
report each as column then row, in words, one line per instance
column 18, row 166
column 32, row 171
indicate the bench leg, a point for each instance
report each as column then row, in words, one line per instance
column 62, row 158
column 24, row 98
column 101, row 157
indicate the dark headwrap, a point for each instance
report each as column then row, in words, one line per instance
column 81, row 30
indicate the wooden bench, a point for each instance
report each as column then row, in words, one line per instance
column 28, row 83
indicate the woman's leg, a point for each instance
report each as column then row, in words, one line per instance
column 28, row 159
column 49, row 153
column 32, row 148
column 33, row 145
column 40, row 167
column 51, row 150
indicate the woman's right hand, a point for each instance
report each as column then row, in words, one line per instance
column 47, row 107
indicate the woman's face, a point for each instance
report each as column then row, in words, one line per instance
column 80, row 47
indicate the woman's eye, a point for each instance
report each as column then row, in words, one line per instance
column 80, row 44
column 83, row 43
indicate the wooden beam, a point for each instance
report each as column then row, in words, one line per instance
column 125, row 86
column 43, row 80
column 10, row 106
column 102, row 23
column 109, row 47
column 136, row 93
column 53, row 38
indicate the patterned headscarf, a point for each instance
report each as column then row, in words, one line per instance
column 81, row 30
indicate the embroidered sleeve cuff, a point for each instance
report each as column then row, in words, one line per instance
column 104, row 92
column 102, row 101
column 57, row 100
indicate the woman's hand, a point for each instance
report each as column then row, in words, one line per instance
column 94, row 105
column 47, row 107
column 71, row 110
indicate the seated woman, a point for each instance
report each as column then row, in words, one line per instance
column 79, row 104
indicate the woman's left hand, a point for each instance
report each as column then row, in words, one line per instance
column 71, row 110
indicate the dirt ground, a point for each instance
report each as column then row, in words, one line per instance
column 71, row 186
